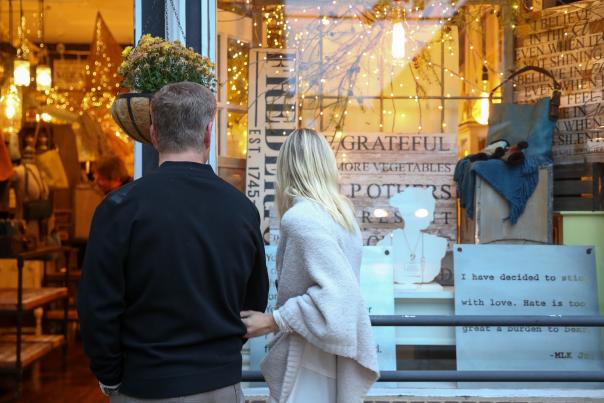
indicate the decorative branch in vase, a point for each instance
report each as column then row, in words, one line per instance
column 146, row 68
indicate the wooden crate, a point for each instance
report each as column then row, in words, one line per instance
column 579, row 187
column 488, row 226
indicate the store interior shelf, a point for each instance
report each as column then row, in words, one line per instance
column 33, row 348
column 59, row 314
column 60, row 277
column 32, row 298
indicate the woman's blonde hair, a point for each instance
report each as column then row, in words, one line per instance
column 307, row 167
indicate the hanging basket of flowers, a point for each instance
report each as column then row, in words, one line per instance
column 146, row 68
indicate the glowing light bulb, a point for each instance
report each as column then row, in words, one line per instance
column 399, row 41
column 480, row 110
column 10, row 111
column 339, row 133
column 43, row 78
column 12, row 103
column 481, row 115
column 21, row 73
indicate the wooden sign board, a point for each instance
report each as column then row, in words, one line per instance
column 272, row 115
column 376, row 166
column 569, row 42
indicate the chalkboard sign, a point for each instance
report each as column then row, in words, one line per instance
column 526, row 280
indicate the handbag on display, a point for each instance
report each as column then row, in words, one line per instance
column 51, row 165
column 531, row 123
column 14, row 146
column 40, row 208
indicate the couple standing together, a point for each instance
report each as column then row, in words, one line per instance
column 175, row 281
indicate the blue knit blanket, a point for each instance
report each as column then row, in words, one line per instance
column 515, row 184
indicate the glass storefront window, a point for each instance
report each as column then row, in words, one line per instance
column 400, row 90
column 233, row 44
column 236, row 134
column 237, row 87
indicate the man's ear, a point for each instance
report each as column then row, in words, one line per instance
column 207, row 135
column 153, row 136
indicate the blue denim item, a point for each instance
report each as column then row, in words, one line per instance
column 515, row 184
column 466, row 181
column 523, row 122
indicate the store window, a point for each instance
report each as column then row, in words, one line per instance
column 233, row 70
column 403, row 91
column 232, row 112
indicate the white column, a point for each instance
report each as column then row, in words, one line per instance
column 208, row 49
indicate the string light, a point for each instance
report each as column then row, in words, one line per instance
column 287, row 31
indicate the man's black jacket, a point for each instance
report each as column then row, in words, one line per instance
column 171, row 260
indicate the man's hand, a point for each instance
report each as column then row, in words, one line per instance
column 258, row 323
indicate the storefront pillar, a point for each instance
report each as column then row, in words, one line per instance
column 192, row 22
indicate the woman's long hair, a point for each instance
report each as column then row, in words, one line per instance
column 307, row 167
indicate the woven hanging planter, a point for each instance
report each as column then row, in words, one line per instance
column 131, row 112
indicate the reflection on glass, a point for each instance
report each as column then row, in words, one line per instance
column 237, row 85
column 236, row 134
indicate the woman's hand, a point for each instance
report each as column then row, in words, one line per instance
column 258, row 323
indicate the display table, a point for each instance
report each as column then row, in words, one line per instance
column 424, row 302
column 32, row 298
column 32, row 349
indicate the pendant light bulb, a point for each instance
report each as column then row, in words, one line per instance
column 21, row 74
column 43, row 78
column 399, row 41
column 483, row 110
column 12, row 103
column 480, row 111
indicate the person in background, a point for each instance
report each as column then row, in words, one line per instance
column 324, row 350
column 110, row 174
column 172, row 259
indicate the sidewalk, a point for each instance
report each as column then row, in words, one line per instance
column 461, row 400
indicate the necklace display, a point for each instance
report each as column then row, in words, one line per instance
column 414, row 271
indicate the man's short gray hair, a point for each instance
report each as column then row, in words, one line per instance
column 181, row 112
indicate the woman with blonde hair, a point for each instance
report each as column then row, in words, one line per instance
column 323, row 350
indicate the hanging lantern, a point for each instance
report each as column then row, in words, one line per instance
column 399, row 35
column 480, row 110
column 43, row 78
column 11, row 103
column 21, row 73
column 10, row 110
column 399, row 41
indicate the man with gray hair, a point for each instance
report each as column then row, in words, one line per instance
column 172, row 259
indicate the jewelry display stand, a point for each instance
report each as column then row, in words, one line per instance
column 417, row 255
